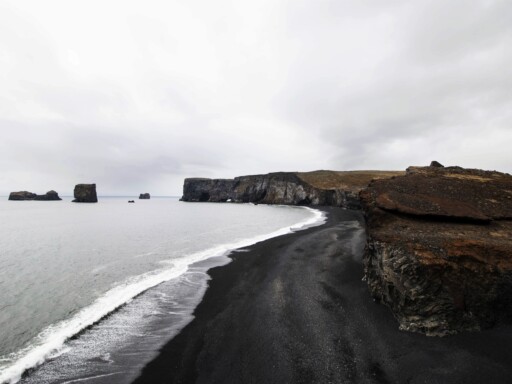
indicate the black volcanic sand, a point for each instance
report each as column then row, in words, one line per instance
column 294, row 309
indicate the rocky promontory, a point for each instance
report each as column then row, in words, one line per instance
column 439, row 239
column 293, row 188
column 144, row 196
column 85, row 193
column 25, row 195
column 439, row 249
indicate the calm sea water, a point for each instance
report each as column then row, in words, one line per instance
column 88, row 292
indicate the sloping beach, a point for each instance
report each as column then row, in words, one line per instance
column 294, row 309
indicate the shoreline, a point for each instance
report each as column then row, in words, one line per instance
column 293, row 309
column 36, row 360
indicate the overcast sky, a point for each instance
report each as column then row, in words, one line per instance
column 137, row 95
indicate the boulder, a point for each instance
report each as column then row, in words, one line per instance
column 85, row 193
column 439, row 248
column 145, row 196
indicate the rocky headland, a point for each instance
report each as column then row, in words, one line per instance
column 144, row 196
column 439, row 248
column 85, row 193
column 25, row 195
column 327, row 188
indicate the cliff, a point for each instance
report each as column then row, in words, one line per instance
column 293, row 188
column 207, row 190
column 439, row 249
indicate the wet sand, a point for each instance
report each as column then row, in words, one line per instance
column 294, row 309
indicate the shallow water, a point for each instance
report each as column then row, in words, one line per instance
column 64, row 266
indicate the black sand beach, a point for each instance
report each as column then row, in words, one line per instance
column 294, row 309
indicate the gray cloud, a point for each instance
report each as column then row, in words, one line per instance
column 135, row 98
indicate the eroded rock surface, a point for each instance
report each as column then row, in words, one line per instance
column 439, row 250
column 85, row 193
column 283, row 188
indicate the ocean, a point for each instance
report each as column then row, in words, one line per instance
column 90, row 292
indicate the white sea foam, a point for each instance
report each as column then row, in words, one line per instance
column 51, row 342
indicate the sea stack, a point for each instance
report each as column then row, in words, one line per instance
column 85, row 193
column 439, row 248
column 145, row 196
column 49, row 196
column 22, row 195
column 25, row 195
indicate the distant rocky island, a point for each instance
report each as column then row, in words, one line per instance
column 25, row 195
column 85, row 193
column 439, row 239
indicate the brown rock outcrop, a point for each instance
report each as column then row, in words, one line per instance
column 439, row 249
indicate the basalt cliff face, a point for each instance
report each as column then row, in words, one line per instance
column 293, row 188
column 439, row 250
column 207, row 190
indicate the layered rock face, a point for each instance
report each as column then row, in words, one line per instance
column 439, row 249
column 144, row 196
column 85, row 193
column 278, row 188
column 24, row 195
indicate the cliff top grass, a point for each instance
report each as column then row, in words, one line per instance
column 347, row 180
